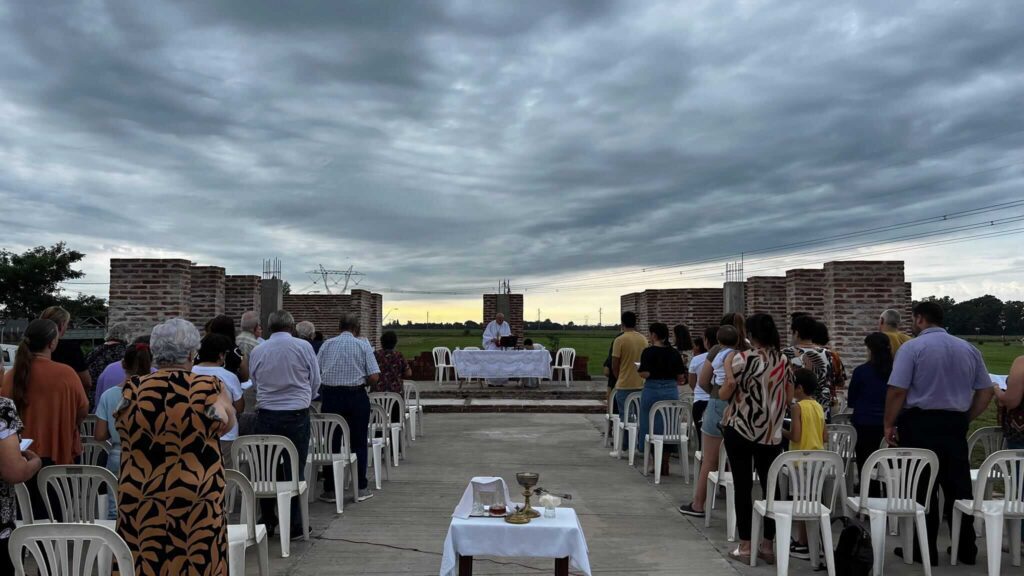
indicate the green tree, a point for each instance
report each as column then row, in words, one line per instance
column 30, row 281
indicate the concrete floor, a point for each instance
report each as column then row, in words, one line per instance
column 631, row 525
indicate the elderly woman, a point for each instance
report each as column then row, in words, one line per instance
column 112, row 350
column 171, row 489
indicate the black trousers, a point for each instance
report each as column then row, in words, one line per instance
column 353, row 404
column 869, row 438
column 744, row 457
column 945, row 433
column 698, row 419
column 293, row 425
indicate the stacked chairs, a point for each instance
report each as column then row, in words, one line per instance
column 70, row 549
column 394, row 405
column 378, row 439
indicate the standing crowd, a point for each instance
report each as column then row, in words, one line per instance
column 756, row 395
column 170, row 404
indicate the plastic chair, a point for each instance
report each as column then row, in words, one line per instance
column 675, row 415
column 377, row 439
column 611, row 423
column 70, row 549
column 399, row 433
column 808, row 471
column 442, row 363
column 24, row 502
column 1008, row 465
column 93, row 451
column 262, row 454
column 413, row 409
column 722, row 478
column 323, row 428
column 991, row 440
column 88, row 426
column 629, row 424
column 842, row 439
column 900, row 470
column 248, row 533
column 78, row 492
column 843, row 418
column 564, row 361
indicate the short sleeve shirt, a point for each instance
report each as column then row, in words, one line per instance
column 662, row 362
column 55, row 397
column 10, row 425
column 939, row 371
column 392, row 368
column 696, row 363
column 627, row 348
column 234, row 388
column 105, row 408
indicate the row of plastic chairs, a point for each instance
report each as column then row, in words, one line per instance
column 677, row 429
column 565, row 359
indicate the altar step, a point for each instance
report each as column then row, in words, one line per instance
column 506, row 404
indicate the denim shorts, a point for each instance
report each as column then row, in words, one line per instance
column 713, row 417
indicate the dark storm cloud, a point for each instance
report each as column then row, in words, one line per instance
column 445, row 144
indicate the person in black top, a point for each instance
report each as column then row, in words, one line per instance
column 68, row 351
column 663, row 371
column 233, row 360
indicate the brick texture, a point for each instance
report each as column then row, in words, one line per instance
column 241, row 294
column 856, row 292
column 805, row 292
column 147, row 291
column 767, row 295
column 697, row 308
column 514, row 317
column 325, row 310
column 207, row 294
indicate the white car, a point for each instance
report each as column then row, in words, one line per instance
column 8, row 351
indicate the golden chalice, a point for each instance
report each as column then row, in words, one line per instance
column 527, row 480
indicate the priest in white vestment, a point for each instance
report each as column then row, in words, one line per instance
column 495, row 331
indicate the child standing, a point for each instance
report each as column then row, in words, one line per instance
column 807, row 432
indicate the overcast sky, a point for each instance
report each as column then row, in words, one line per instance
column 440, row 146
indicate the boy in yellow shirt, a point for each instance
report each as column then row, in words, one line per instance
column 806, row 432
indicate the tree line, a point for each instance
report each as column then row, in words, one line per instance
column 985, row 315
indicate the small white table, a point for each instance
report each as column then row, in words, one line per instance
column 560, row 538
column 502, row 363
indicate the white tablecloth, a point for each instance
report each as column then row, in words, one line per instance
column 502, row 363
column 556, row 537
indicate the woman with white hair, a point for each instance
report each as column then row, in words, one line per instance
column 171, row 489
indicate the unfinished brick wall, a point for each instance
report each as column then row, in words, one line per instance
column 241, row 294
column 697, row 308
column 805, row 292
column 767, row 295
column 325, row 310
column 856, row 293
column 147, row 291
column 207, row 294
column 514, row 316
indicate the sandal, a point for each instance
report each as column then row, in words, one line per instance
column 767, row 557
column 738, row 556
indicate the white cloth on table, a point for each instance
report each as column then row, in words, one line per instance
column 465, row 506
column 502, row 363
column 556, row 537
column 495, row 330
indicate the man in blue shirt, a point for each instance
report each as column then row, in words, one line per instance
column 939, row 384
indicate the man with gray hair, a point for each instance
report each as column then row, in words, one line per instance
column 251, row 332
column 286, row 377
column 889, row 324
column 348, row 366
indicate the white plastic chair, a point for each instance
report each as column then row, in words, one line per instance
column 843, row 418
column 323, row 428
column 900, row 470
column 413, row 409
column 991, row 440
column 248, row 533
column 611, row 422
column 628, row 423
column 69, row 550
column 88, row 426
column 24, row 501
column 442, row 363
column 262, row 454
column 399, row 432
column 675, row 415
column 808, row 471
column 94, row 450
column 378, row 437
column 565, row 358
column 78, row 492
column 1008, row 465
column 842, row 439
column 722, row 478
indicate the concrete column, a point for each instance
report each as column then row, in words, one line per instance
column 734, row 298
column 271, row 299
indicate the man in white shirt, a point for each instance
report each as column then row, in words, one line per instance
column 495, row 331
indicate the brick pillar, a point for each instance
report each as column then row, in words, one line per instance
column 856, row 292
column 767, row 295
column 369, row 307
column 147, row 291
column 805, row 292
column 241, row 294
column 207, row 294
column 513, row 310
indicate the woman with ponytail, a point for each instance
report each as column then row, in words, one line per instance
column 50, row 399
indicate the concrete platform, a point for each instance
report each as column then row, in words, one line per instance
column 631, row 525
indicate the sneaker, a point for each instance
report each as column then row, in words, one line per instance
column 687, row 510
column 364, row 495
column 615, row 454
column 801, row 551
column 328, row 497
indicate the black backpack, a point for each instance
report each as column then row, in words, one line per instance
column 854, row 556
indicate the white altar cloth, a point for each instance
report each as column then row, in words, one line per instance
column 556, row 537
column 502, row 363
